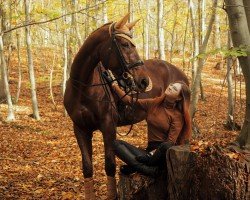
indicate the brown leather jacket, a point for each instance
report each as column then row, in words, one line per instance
column 165, row 122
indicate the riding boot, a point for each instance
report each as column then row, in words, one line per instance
column 111, row 188
column 152, row 171
column 124, row 154
column 89, row 189
column 158, row 156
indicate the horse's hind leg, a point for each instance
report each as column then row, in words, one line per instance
column 84, row 140
column 109, row 137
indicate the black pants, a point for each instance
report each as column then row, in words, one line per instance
column 127, row 152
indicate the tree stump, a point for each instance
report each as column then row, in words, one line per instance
column 207, row 174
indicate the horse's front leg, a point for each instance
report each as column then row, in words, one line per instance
column 84, row 140
column 109, row 135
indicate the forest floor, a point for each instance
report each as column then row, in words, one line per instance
column 41, row 159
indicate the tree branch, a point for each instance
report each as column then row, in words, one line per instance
column 50, row 20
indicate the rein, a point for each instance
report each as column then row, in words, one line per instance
column 106, row 90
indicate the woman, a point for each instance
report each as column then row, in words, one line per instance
column 168, row 122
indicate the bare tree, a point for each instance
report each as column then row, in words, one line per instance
column 87, row 30
column 65, row 52
column 4, row 74
column 75, row 27
column 131, row 12
column 36, row 115
column 2, row 93
column 185, row 40
column 230, row 111
column 173, row 31
column 51, row 81
column 201, row 61
column 5, row 23
column 11, row 115
column 217, row 39
column 194, row 37
column 104, row 12
column 19, row 68
column 146, row 32
column 2, row 26
column 238, row 15
column 160, row 30
column 247, row 11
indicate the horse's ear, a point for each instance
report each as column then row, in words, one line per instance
column 122, row 22
column 131, row 24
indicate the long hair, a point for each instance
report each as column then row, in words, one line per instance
column 183, row 106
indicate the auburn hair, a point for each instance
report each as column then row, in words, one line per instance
column 183, row 105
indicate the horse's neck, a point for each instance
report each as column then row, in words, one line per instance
column 87, row 57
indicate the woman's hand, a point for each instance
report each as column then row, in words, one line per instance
column 109, row 77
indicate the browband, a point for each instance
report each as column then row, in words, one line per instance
column 120, row 34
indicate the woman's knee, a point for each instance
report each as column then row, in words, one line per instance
column 165, row 146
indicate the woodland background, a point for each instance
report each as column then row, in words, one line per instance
column 39, row 156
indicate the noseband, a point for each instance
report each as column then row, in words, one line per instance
column 124, row 65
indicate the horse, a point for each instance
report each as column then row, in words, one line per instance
column 92, row 105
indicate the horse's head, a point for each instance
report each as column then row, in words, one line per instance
column 119, row 55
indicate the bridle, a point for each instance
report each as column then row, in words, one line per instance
column 125, row 67
column 123, row 63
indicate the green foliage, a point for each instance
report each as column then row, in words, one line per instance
column 242, row 50
column 235, row 52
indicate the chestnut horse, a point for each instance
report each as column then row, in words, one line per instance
column 91, row 108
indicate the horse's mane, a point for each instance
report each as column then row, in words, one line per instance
column 102, row 27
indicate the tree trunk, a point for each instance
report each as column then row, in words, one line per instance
column 104, row 12
column 202, row 20
column 2, row 93
column 210, row 174
column 195, row 39
column 173, row 38
column 5, row 23
column 19, row 68
column 131, row 13
column 86, row 19
column 4, row 84
column 184, row 42
column 97, row 18
column 201, row 61
column 160, row 31
column 240, row 36
column 202, row 30
column 146, row 33
column 230, row 111
column 217, row 40
column 11, row 115
column 65, row 55
column 51, row 81
column 247, row 11
column 75, row 29
column 30, row 62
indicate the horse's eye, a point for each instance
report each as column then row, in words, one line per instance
column 125, row 44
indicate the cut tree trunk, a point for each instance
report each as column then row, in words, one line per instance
column 208, row 174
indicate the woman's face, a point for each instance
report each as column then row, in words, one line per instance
column 173, row 91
